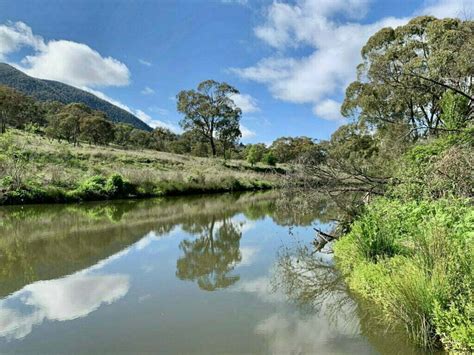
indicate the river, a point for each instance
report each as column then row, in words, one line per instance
column 220, row 274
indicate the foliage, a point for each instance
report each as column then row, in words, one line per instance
column 415, row 259
column 210, row 111
column 407, row 70
column 437, row 168
column 255, row 152
column 96, row 129
column 17, row 110
column 286, row 149
column 269, row 159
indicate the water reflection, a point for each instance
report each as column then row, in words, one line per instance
column 47, row 242
column 309, row 280
column 63, row 299
column 210, row 257
column 119, row 268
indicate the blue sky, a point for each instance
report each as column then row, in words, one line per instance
column 290, row 60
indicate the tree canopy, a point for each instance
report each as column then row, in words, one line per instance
column 210, row 111
column 406, row 71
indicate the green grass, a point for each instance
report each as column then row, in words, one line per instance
column 415, row 260
column 34, row 169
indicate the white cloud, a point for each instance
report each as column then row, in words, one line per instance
column 137, row 112
column 13, row 36
column 449, row 8
column 68, row 298
column 329, row 110
column 248, row 255
column 148, row 91
column 156, row 123
column 245, row 102
column 328, row 28
column 246, row 133
column 75, row 64
column 145, row 62
column 70, row 62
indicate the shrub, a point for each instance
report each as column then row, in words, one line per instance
column 269, row 159
column 91, row 189
column 415, row 261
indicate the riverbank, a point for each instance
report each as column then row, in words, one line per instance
column 37, row 170
column 414, row 260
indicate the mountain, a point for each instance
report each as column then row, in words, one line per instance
column 48, row 90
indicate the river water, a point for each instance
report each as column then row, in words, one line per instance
column 226, row 274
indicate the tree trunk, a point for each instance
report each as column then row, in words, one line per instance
column 213, row 146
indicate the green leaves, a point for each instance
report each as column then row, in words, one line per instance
column 211, row 112
column 406, row 72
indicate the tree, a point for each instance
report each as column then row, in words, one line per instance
column 229, row 136
column 66, row 124
column 160, row 138
column 286, row 149
column 17, row 109
column 269, row 159
column 122, row 132
column 140, row 138
column 96, row 129
column 212, row 256
column 255, row 152
column 406, row 71
column 209, row 110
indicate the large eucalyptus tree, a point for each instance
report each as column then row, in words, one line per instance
column 210, row 111
column 406, row 71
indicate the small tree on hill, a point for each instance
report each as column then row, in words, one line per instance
column 255, row 153
column 209, row 110
column 96, row 129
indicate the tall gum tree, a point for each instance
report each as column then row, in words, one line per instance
column 209, row 110
column 406, row 71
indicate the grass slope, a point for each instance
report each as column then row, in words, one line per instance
column 34, row 169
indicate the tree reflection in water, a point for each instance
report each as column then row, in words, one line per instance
column 310, row 280
column 212, row 256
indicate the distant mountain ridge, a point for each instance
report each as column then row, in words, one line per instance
column 48, row 90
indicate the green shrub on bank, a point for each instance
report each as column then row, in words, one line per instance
column 416, row 261
column 439, row 168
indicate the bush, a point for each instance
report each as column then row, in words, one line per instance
column 415, row 261
column 269, row 159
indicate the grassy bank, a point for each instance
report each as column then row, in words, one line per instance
column 34, row 169
column 412, row 251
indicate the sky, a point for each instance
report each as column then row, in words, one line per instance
column 290, row 60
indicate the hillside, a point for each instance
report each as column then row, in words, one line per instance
column 48, row 90
column 36, row 169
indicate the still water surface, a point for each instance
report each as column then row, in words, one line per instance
column 199, row 275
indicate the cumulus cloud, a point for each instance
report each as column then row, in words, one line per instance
column 246, row 132
column 70, row 62
column 13, row 36
column 148, row 91
column 329, row 28
column 75, row 64
column 245, row 102
column 329, row 110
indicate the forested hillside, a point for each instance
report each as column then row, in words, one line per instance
column 48, row 90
